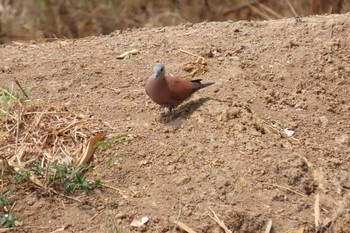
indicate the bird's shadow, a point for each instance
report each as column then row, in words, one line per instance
column 184, row 111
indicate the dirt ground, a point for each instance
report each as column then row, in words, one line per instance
column 226, row 148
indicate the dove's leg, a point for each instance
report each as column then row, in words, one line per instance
column 170, row 114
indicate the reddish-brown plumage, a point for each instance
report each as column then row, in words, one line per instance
column 170, row 91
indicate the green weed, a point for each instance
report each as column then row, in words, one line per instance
column 8, row 220
column 9, row 94
column 114, row 157
column 104, row 145
column 59, row 175
column 72, row 178
column 21, row 176
column 4, row 198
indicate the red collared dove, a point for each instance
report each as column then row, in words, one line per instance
column 169, row 91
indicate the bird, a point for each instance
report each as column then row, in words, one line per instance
column 169, row 91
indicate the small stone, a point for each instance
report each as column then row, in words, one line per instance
column 342, row 139
column 6, row 68
column 31, row 201
column 323, row 121
column 181, row 180
column 120, row 215
column 133, row 188
column 222, row 182
column 141, row 153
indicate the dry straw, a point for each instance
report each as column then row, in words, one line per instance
column 40, row 132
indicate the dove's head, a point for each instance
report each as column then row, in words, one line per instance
column 158, row 71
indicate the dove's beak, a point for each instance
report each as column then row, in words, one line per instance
column 155, row 76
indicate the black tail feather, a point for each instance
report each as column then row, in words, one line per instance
column 203, row 85
column 198, row 85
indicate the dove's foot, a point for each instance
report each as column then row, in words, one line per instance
column 167, row 117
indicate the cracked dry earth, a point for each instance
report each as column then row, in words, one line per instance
column 227, row 147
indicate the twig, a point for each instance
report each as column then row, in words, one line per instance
column 269, row 226
column 268, row 9
column 47, row 175
column 6, row 166
column 292, row 8
column 38, row 121
column 218, row 221
column 317, row 210
column 184, row 51
column 178, row 216
column 259, row 12
column 4, row 134
column 62, row 228
column 17, row 133
column 22, row 227
column 70, row 126
column 20, row 87
column 98, row 212
column 62, row 195
column 295, row 192
column 29, row 113
column 115, row 189
column 184, row 227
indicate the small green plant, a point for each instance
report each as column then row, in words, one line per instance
column 111, row 159
column 60, row 175
column 21, row 176
column 37, row 169
column 108, row 143
column 8, row 220
column 72, row 178
column 8, row 93
column 4, row 200
column 104, row 145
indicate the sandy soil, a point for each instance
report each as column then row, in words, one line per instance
column 225, row 148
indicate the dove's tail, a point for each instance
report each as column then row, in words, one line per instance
column 203, row 85
column 198, row 85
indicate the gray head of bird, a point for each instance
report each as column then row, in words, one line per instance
column 158, row 71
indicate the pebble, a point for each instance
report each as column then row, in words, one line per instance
column 181, row 180
column 323, row 122
column 342, row 139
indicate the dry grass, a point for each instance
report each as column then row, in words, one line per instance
column 37, row 131
column 38, row 19
column 41, row 134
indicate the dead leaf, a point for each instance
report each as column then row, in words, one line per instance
column 36, row 181
column 89, row 150
column 125, row 54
